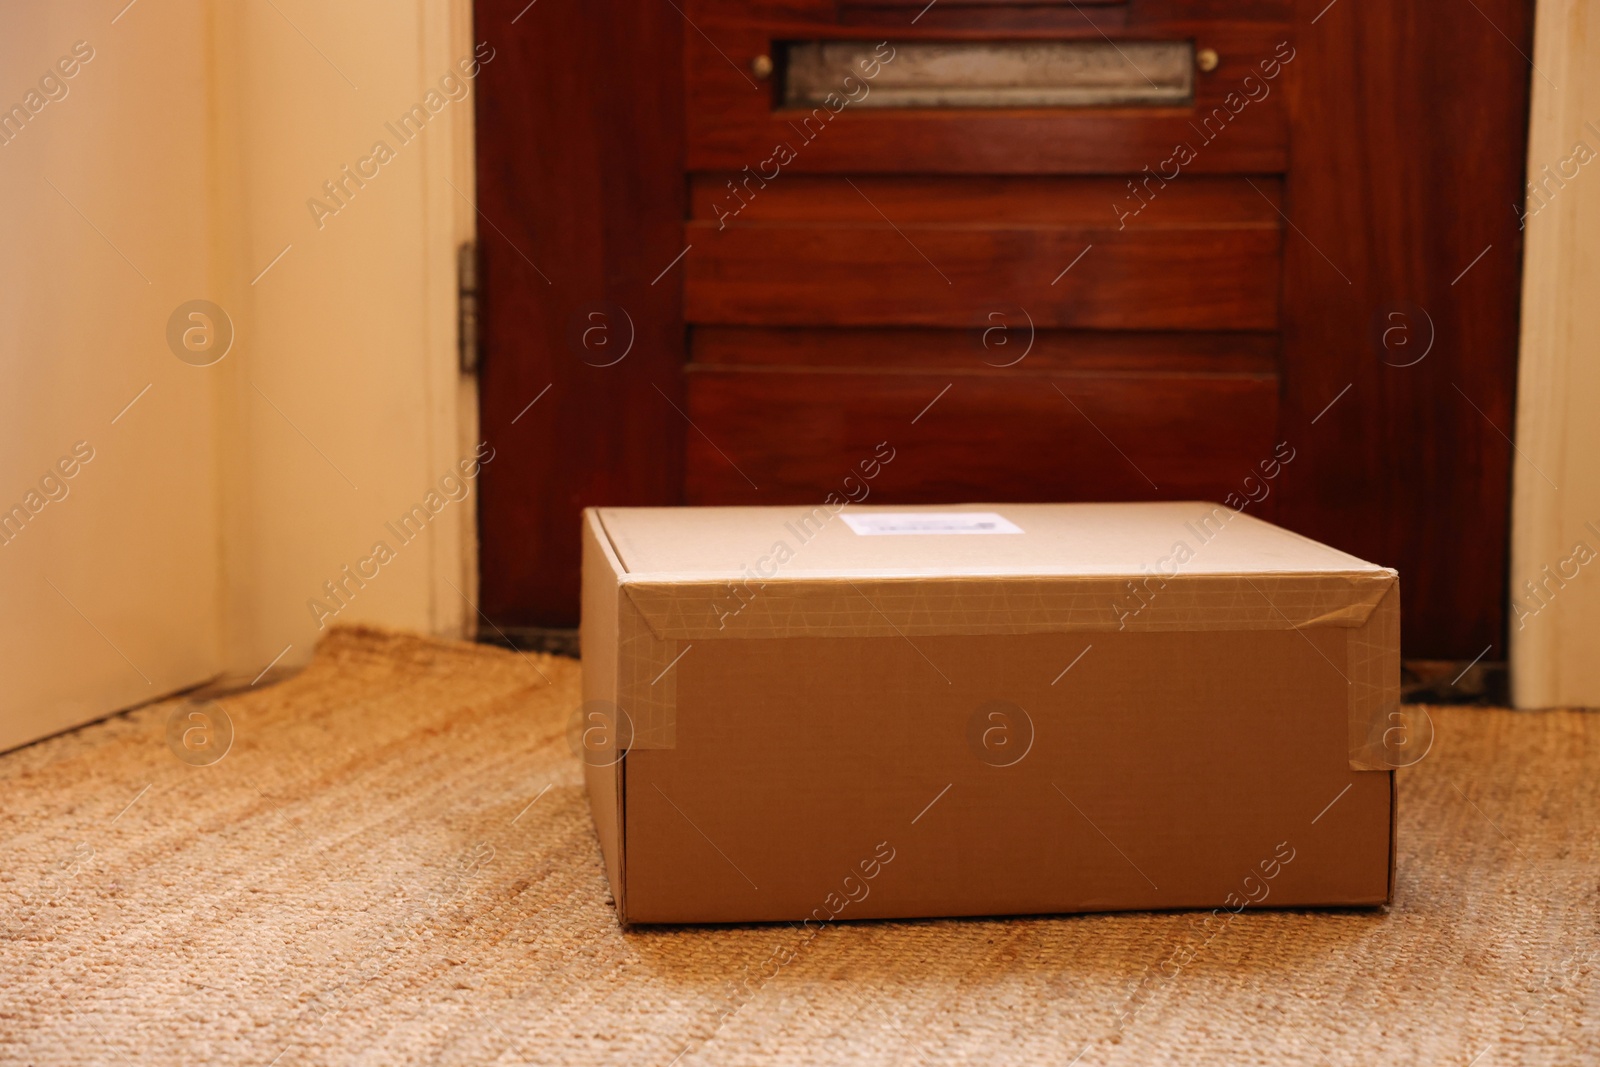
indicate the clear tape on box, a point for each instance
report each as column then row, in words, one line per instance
column 661, row 614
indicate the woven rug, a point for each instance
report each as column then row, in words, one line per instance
column 394, row 863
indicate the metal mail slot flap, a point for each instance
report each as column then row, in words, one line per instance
column 999, row 74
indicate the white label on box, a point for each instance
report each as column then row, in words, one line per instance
column 880, row 523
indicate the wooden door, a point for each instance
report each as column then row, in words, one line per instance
column 1152, row 249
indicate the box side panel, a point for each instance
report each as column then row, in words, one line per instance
column 598, row 634
column 859, row 777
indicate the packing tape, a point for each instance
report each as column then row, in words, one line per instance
column 660, row 617
column 886, row 607
column 1372, row 662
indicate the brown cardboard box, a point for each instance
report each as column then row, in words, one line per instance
column 982, row 710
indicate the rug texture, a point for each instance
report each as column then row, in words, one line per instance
column 394, row 863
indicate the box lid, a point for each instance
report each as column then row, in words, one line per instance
column 1051, row 540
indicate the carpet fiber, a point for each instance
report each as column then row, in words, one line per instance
column 394, row 863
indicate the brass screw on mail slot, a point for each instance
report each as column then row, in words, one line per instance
column 761, row 66
column 1206, row 59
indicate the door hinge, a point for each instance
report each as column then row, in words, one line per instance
column 467, row 306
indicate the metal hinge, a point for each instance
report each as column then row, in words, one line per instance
column 467, row 306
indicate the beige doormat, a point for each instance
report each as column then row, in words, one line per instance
column 394, row 863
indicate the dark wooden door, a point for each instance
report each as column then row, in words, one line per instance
column 734, row 255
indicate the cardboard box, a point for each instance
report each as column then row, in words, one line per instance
column 826, row 714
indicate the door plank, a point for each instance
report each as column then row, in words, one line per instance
column 798, row 434
column 1219, row 277
column 1107, row 253
column 1003, row 342
column 734, row 121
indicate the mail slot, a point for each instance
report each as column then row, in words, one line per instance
column 990, row 74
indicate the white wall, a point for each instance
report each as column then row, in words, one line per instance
column 110, row 593
column 1555, row 627
column 177, row 166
